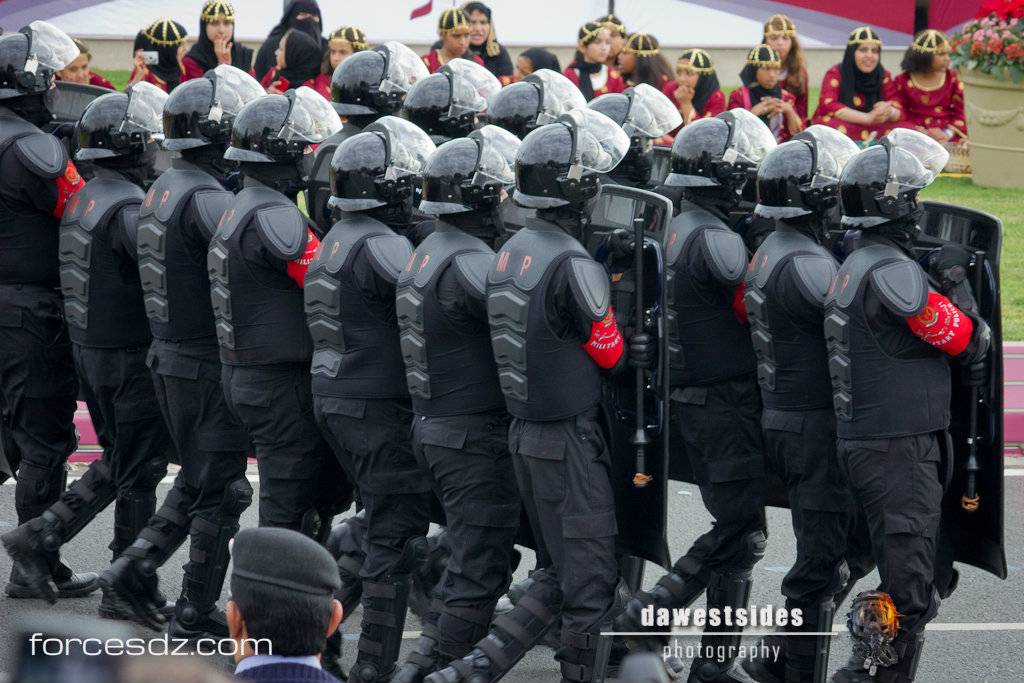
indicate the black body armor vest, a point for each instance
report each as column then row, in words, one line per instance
column 876, row 393
column 102, row 296
column 356, row 342
column 450, row 370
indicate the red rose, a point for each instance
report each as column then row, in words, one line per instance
column 995, row 45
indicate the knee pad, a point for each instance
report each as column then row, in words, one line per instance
column 840, row 578
column 237, row 498
column 752, row 548
column 344, row 539
column 152, row 473
column 40, row 484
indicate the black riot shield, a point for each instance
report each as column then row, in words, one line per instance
column 661, row 164
column 972, row 510
column 69, row 101
column 635, row 402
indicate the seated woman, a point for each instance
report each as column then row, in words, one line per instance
column 453, row 28
column 695, row 90
column 345, row 41
column 764, row 97
column 780, row 34
column 617, row 35
column 929, row 91
column 158, row 53
column 534, row 59
column 78, row 70
column 216, row 44
column 589, row 70
column 858, row 97
column 298, row 62
column 483, row 42
column 641, row 61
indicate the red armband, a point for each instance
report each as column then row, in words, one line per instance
column 67, row 185
column 297, row 268
column 942, row 325
column 738, row 307
column 605, row 344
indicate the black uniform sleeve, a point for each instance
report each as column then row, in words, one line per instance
column 373, row 286
column 461, row 308
column 21, row 188
column 567, row 318
column 123, row 239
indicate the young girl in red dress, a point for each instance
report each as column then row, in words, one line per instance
column 858, row 97
column 929, row 91
column 165, row 39
column 345, row 41
column 780, row 34
column 589, row 70
column 78, row 70
column 764, row 97
column 216, row 44
column 695, row 90
column 641, row 61
column 298, row 62
column 453, row 28
column 617, row 35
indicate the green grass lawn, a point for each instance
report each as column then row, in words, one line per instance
column 119, row 77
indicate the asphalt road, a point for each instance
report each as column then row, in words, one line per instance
column 978, row 635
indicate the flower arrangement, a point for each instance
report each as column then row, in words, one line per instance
column 993, row 42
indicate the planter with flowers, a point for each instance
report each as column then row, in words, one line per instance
column 989, row 55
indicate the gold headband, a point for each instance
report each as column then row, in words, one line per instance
column 172, row 33
column 452, row 19
column 930, row 40
column 611, row 23
column 637, row 41
column 587, row 34
column 772, row 26
column 215, row 8
column 864, row 35
column 696, row 56
column 353, row 36
column 773, row 60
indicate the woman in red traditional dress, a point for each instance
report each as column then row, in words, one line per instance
column 780, row 34
column 617, row 35
column 215, row 44
column 929, row 91
column 453, row 28
column 641, row 61
column 159, row 50
column 298, row 62
column 589, row 70
column 695, row 89
column 344, row 42
column 764, row 97
column 78, row 70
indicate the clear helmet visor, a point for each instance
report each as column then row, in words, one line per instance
column 312, row 119
column 145, row 109
column 651, row 113
column 404, row 68
column 751, row 139
column 832, row 149
column 473, row 85
column 600, row 142
column 50, row 48
column 914, row 159
column 233, row 89
column 410, row 146
column 560, row 95
column 497, row 161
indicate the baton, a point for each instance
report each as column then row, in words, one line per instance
column 640, row 439
column 971, row 500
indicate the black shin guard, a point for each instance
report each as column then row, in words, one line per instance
column 132, row 511
column 679, row 588
column 730, row 589
column 345, row 545
column 380, row 638
column 424, row 658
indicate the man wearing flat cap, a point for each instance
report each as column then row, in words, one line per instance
column 282, row 606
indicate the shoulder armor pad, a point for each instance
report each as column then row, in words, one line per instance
column 814, row 276
column 42, row 154
column 210, row 207
column 130, row 223
column 282, row 230
column 388, row 255
column 902, row 287
column 471, row 270
column 726, row 255
column 590, row 286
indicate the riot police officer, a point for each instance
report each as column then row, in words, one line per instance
column 257, row 261
column 37, row 376
column 538, row 99
column 360, row 393
column 785, row 290
column 177, row 218
column 645, row 114
column 890, row 338
column 446, row 103
column 553, row 333
column 714, row 401
column 110, row 337
column 460, row 428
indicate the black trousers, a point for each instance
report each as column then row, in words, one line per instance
column 898, row 486
column 274, row 403
column 801, row 448
column 471, row 471
column 38, row 387
column 720, row 426
column 371, row 440
column 563, row 468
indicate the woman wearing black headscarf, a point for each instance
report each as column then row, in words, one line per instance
column 858, row 96
column 483, row 42
column 298, row 63
column 301, row 15
column 534, row 59
column 215, row 44
column 761, row 94
column 695, row 90
column 158, row 51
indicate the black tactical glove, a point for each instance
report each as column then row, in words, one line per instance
column 643, row 351
column 949, row 264
column 974, row 359
column 620, row 243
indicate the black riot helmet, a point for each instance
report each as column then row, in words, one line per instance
column 30, row 58
column 645, row 114
column 200, row 111
column 467, row 174
column 880, row 184
column 801, row 177
column 379, row 166
column 538, row 99
column 558, row 164
column 374, row 82
column 121, row 124
column 719, row 152
column 280, row 128
column 446, row 104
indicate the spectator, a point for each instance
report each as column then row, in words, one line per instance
column 780, row 34
column 78, row 70
column 858, row 96
column 534, row 59
column 453, row 28
column 301, row 15
column 931, row 95
column 282, row 607
column 215, row 44
column 344, row 42
column 641, row 61
column 589, row 70
column 617, row 35
column 764, row 97
column 298, row 63
column 483, row 42
column 695, row 90
column 159, row 50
